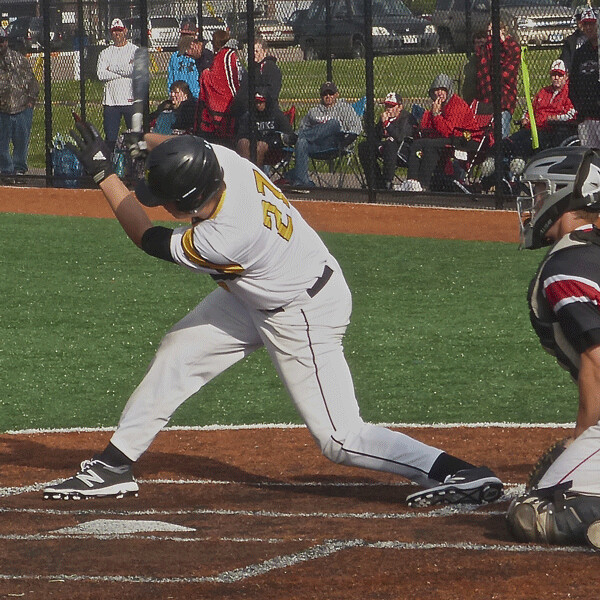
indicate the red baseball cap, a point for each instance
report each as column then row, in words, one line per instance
column 117, row 25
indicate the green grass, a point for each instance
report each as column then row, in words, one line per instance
column 439, row 333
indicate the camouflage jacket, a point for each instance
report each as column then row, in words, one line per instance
column 19, row 88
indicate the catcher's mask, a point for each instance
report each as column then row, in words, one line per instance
column 556, row 181
column 182, row 170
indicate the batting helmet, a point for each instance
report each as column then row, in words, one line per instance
column 183, row 170
column 558, row 180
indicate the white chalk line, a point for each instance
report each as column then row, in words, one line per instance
column 318, row 551
column 233, row 427
column 17, row 490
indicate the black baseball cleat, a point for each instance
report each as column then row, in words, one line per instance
column 96, row 479
column 478, row 485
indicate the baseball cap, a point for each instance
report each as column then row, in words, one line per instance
column 558, row 66
column 117, row 25
column 259, row 97
column 329, row 87
column 393, row 99
column 589, row 15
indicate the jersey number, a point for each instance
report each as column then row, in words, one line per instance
column 273, row 217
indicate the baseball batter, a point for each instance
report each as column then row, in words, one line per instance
column 278, row 287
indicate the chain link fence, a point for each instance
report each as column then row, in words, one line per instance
column 368, row 48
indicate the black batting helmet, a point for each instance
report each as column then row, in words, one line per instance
column 183, row 170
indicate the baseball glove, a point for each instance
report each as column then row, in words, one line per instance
column 545, row 461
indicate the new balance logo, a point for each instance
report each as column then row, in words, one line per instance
column 89, row 478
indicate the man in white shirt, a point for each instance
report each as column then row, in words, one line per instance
column 115, row 67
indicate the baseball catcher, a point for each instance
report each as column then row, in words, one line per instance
column 278, row 287
column 562, row 504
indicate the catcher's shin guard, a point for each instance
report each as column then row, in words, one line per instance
column 553, row 516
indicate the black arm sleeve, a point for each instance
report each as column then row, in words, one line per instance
column 156, row 242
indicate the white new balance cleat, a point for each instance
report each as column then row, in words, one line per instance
column 478, row 485
column 96, row 479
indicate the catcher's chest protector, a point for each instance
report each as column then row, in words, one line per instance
column 541, row 314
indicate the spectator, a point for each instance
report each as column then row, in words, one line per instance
column 218, row 87
column 19, row 90
column 175, row 115
column 394, row 125
column 573, row 41
column 271, row 123
column 331, row 124
column 268, row 76
column 584, row 88
column 510, row 61
column 182, row 66
column 554, row 115
column 201, row 54
column 471, row 68
column 448, row 113
column 115, row 67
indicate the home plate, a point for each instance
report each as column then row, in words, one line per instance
column 121, row 526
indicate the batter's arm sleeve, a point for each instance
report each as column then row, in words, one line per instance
column 156, row 242
column 588, row 381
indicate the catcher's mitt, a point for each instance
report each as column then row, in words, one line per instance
column 545, row 460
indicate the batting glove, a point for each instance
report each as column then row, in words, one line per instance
column 135, row 144
column 91, row 150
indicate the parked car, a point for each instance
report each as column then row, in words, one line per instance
column 395, row 29
column 534, row 23
column 163, row 32
column 295, row 17
column 275, row 32
column 25, row 34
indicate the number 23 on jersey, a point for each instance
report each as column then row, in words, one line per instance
column 274, row 218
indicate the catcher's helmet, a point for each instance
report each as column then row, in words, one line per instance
column 183, row 170
column 557, row 181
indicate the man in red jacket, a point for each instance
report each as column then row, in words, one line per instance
column 448, row 114
column 554, row 115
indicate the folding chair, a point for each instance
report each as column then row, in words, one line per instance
column 471, row 147
column 277, row 160
column 342, row 158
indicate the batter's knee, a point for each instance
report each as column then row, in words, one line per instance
column 333, row 445
column 554, row 516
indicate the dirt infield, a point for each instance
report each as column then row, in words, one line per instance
column 258, row 513
column 410, row 221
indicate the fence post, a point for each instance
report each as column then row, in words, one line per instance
column 369, row 114
column 251, row 79
column 47, row 92
column 497, row 102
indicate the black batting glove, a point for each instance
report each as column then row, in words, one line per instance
column 91, row 150
column 135, row 144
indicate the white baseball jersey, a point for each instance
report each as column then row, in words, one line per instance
column 256, row 244
column 114, row 68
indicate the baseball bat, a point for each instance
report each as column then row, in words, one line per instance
column 535, row 144
column 141, row 86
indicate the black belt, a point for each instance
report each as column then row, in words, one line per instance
column 311, row 291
